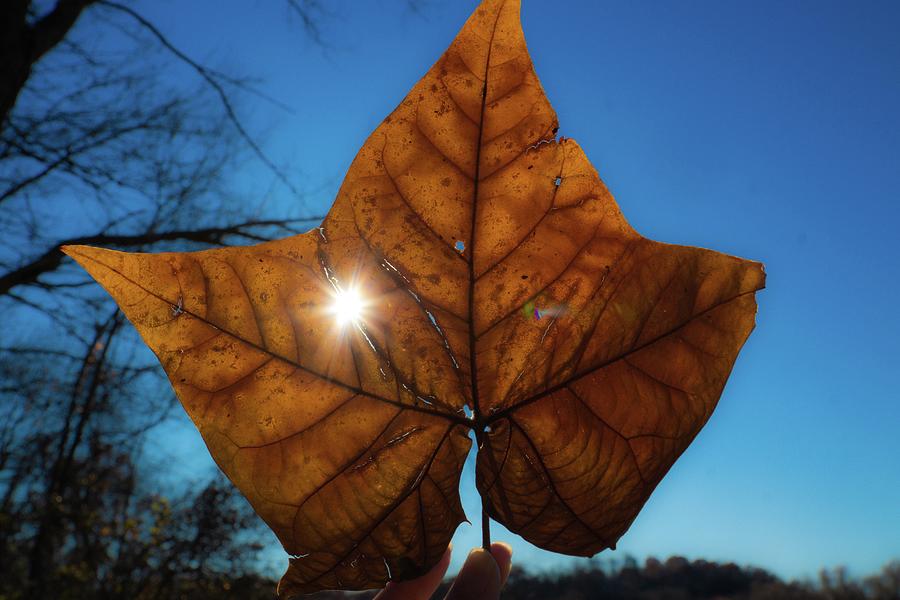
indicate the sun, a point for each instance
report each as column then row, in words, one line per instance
column 348, row 306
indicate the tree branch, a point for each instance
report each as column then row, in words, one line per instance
column 22, row 45
column 52, row 28
column 208, row 76
column 52, row 258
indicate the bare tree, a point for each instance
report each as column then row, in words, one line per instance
column 76, row 514
column 97, row 148
column 133, row 161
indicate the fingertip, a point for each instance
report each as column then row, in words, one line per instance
column 444, row 563
column 480, row 561
column 478, row 578
column 502, row 554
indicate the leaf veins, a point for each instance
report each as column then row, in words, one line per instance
column 504, row 293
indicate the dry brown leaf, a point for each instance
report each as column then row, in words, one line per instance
column 498, row 274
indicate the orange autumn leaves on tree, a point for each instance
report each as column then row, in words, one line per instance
column 500, row 290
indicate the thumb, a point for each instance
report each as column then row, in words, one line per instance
column 479, row 578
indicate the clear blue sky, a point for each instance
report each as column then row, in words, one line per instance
column 769, row 130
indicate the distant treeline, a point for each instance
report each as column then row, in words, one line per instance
column 680, row 579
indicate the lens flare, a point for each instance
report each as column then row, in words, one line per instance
column 348, row 306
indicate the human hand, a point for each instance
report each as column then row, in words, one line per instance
column 480, row 578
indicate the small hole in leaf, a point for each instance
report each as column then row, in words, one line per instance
column 524, row 276
column 557, row 181
column 460, row 246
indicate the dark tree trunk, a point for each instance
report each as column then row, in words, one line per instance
column 23, row 44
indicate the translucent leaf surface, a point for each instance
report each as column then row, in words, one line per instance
column 470, row 259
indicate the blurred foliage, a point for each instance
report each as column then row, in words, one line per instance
column 678, row 579
column 79, row 519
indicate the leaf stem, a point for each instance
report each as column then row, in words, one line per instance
column 485, row 530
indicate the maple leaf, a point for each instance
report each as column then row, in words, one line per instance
column 473, row 274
